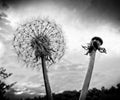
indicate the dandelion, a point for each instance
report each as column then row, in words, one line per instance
column 92, row 47
column 40, row 43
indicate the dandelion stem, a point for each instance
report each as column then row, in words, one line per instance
column 88, row 76
column 46, row 80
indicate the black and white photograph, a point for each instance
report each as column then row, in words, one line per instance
column 59, row 50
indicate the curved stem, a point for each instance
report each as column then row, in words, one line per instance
column 46, row 80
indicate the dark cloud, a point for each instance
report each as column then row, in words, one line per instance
column 94, row 9
column 10, row 1
column 107, row 7
column 100, row 5
column 106, row 10
column 16, row 2
column 3, row 5
column 112, row 5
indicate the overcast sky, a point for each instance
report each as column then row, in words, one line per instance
column 80, row 20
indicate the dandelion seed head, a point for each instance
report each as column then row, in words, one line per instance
column 38, row 38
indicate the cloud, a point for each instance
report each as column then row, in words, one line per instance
column 5, row 27
column 3, row 5
column 110, row 69
column 112, row 5
column 29, row 88
column 2, row 49
column 59, row 77
column 104, row 9
column 36, row 79
column 19, row 76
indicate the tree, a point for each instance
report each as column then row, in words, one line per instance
column 3, row 86
column 39, row 42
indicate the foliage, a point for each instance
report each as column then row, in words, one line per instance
column 3, row 86
column 112, row 93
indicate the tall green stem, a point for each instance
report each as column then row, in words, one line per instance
column 88, row 76
column 46, row 80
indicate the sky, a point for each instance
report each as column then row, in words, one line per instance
column 80, row 20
